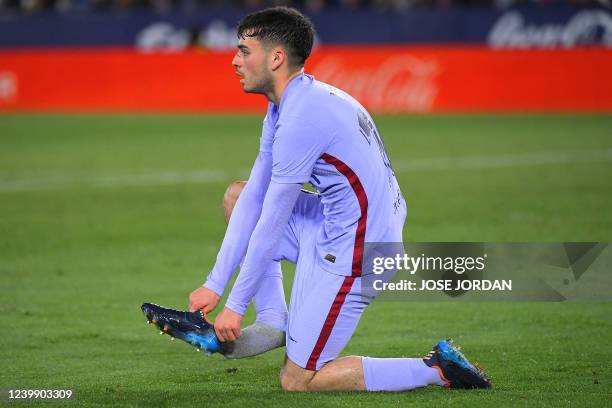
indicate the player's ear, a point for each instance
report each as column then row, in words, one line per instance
column 278, row 57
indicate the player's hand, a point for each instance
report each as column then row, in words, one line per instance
column 203, row 298
column 227, row 325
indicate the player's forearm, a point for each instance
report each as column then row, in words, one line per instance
column 264, row 242
column 244, row 217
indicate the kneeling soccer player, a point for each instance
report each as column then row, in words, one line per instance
column 312, row 133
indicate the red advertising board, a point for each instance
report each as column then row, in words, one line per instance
column 384, row 79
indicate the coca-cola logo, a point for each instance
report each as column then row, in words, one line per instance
column 402, row 83
column 585, row 27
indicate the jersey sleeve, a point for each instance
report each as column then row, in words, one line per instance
column 277, row 207
column 242, row 222
column 298, row 144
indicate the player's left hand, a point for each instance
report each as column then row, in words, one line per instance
column 227, row 325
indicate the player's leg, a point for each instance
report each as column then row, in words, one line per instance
column 312, row 363
column 230, row 197
column 349, row 374
column 268, row 331
column 269, row 301
column 445, row 365
column 317, row 334
column 324, row 312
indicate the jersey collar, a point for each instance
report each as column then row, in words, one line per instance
column 292, row 87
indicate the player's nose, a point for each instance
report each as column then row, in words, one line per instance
column 235, row 61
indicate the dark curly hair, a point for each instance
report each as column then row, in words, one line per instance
column 283, row 26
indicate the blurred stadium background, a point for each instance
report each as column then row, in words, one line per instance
column 122, row 123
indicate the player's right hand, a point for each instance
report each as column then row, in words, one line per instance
column 203, row 298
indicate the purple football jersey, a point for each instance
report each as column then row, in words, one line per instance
column 321, row 135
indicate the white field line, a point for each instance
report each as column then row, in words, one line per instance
column 136, row 179
column 206, row 176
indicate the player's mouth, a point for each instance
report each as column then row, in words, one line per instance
column 241, row 76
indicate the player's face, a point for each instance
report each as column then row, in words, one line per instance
column 251, row 64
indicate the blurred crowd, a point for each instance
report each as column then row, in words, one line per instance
column 310, row 6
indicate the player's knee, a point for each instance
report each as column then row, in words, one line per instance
column 230, row 197
column 292, row 383
column 294, row 377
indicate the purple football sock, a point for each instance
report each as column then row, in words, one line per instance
column 398, row 374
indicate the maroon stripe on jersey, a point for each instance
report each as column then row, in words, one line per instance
column 334, row 310
column 357, row 187
column 330, row 321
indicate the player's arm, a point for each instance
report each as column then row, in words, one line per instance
column 241, row 225
column 297, row 146
column 277, row 207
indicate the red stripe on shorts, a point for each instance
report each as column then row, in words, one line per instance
column 334, row 310
column 330, row 321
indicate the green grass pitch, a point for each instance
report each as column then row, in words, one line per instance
column 100, row 213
